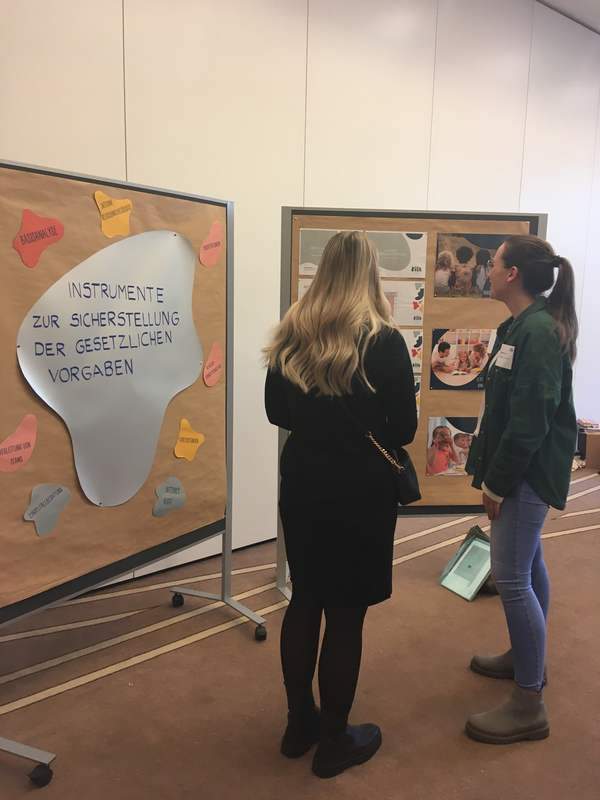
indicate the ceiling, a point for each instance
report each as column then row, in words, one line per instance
column 585, row 11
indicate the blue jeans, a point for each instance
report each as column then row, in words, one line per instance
column 521, row 578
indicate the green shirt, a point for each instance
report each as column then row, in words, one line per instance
column 529, row 427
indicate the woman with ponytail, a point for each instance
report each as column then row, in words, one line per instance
column 521, row 458
column 336, row 363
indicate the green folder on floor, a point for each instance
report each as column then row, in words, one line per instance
column 469, row 568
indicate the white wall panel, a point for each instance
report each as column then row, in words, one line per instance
column 369, row 89
column 61, row 85
column 481, row 69
column 215, row 101
column 560, row 137
column 587, row 377
column 585, row 11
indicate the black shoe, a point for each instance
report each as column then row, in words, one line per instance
column 304, row 722
column 301, row 734
column 357, row 744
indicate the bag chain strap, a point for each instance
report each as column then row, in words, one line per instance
column 393, row 461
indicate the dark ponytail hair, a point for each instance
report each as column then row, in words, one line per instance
column 536, row 261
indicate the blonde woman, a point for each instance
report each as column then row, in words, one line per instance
column 336, row 363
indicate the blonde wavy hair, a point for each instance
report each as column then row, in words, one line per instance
column 322, row 340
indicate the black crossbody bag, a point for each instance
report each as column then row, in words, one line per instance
column 403, row 470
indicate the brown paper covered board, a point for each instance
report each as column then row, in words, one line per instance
column 88, row 538
column 439, row 312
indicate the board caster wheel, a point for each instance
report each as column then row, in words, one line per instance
column 260, row 634
column 177, row 600
column 40, row 775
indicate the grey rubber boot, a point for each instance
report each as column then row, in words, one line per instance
column 502, row 666
column 523, row 717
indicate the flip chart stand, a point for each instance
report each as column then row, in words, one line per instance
column 260, row 634
column 40, row 775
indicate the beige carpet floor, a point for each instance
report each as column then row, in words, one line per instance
column 141, row 700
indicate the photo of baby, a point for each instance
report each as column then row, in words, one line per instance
column 464, row 261
column 449, row 440
column 459, row 357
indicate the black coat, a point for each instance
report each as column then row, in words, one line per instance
column 337, row 499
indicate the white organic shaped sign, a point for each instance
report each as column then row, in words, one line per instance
column 107, row 347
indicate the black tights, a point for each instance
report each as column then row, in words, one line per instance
column 339, row 662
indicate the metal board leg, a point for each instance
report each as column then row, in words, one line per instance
column 40, row 775
column 260, row 634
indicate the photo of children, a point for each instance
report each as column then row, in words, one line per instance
column 464, row 262
column 449, row 440
column 459, row 357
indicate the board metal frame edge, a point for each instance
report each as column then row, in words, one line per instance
column 282, row 569
column 97, row 578
column 538, row 224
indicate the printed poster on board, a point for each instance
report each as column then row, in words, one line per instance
column 463, row 263
column 414, row 343
column 459, row 357
column 312, row 244
column 303, row 286
column 406, row 299
column 401, row 254
column 448, row 443
column 418, row 394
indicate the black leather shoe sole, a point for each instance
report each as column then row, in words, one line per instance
column 351, row 760
column 473, row 733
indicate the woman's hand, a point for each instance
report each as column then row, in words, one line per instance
column 491, row 506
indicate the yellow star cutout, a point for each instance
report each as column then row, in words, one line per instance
column 188, row 442
column 114, row 215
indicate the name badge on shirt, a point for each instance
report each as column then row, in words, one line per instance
column 505, row 356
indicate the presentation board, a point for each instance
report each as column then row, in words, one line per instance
column 115, row 363
column 433, row 270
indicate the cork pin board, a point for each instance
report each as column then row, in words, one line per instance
column 409, row 244
column 62, row 238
